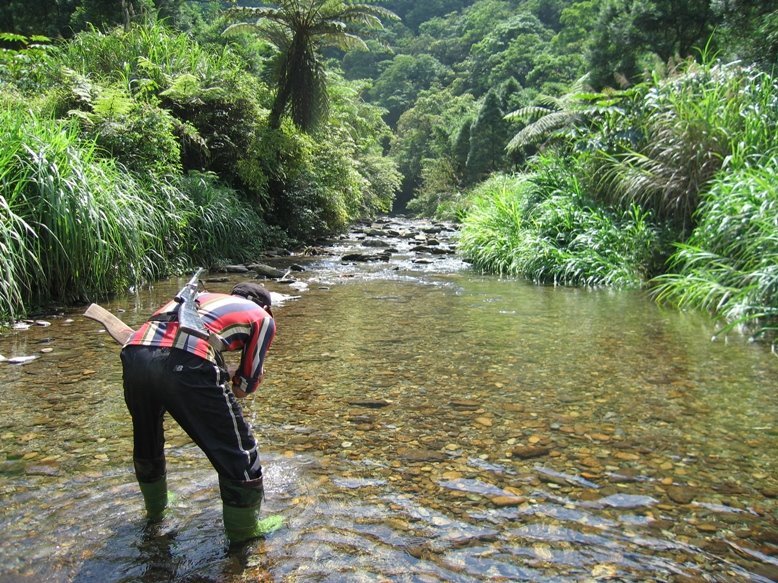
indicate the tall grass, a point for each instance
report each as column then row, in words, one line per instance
column 149, row 58
column 82, row 226
column 218, row 224
column 75, row 226
column 729, row 266
column 519, row 226
column 707, row 118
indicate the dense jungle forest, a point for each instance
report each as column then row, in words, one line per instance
column 623, row 143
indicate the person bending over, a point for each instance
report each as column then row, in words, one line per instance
column 167, row 370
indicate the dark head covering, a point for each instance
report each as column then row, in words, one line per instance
column 254, row 292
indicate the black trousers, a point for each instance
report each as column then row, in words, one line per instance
column 195, row 392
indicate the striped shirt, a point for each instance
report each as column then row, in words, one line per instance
column 240, row 323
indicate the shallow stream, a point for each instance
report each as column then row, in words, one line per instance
column 419, row 422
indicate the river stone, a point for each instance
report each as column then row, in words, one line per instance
column 680, row 495
column 465, row 405
column 503, row 501
column 41, row 470
column 359, row 257
column 375, row 243
column 266, row 271
column 236, row 269
column 370, row 403
column 529, row 452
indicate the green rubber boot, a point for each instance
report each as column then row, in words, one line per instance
column 244, row 524
column 241, row 501
column 155, row 497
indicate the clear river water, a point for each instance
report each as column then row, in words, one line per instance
column 419, row 422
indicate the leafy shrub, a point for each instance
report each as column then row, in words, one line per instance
column 202, row 95
column 729, row 266
column 140, row 135
column 543, row 226
column 693, row 124
column 78, row 225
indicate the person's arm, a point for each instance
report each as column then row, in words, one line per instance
column 250, row 371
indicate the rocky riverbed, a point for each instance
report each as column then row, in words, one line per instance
column 418, row 422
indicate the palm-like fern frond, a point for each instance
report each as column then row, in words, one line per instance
column 550, row 117
column 299, row 29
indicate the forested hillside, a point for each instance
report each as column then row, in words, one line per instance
column 628, row 143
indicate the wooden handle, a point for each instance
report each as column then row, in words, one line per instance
column 117, row 329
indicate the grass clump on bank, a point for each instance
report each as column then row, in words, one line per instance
column 77, row 226
column 518, row 227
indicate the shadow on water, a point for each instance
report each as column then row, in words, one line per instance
column 418, row 422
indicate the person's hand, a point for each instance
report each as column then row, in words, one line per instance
column 239, row 393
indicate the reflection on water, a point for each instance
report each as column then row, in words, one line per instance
column 419, row 423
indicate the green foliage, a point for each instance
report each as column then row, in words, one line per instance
column 488, row 136
column 176, row 91
column 629, row 30
column 313, row 187
column 440, row 194
column 729, row 266
column 749, row 30
column 139, row 135
column 425, row 133
column 403, row 79
column 81, row 226
column 708, row 118
column 49, row 17
column 104, row 14
column 215, row 222
column 24, row 61
column 76, row 226
column 543, row 227
column 511, row 49
column 299, row 30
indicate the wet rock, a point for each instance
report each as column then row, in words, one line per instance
column 375, row 243
column 370, row 403
column 235, row 269
column 465, row 405
column 769, row 491
column 365, row 257
column 42, row 470
column 553, row 477
column 20, row 359
column 680, row 494
column 627, row 501
column 442, row 251
column 266, row 271
column 504, row 501
column 529, row 452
